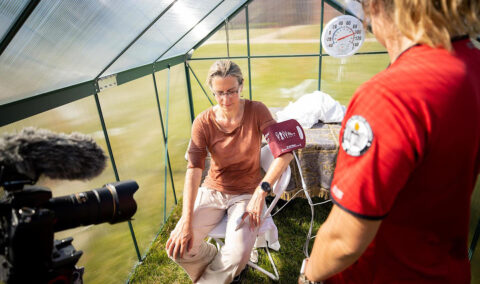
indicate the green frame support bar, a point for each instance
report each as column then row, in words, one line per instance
column 114, row 166
column 21, row 109
column 227, row 37
column 339, row 7
column 136, row 38
column 282, row 56
column 18, row 110
column 321, row 47
column 166, row 148
column 135, row 73
column 220, row 25
column 247, row 27
column 199, row 83
column 196, row 24
column 164, row 137
column 189, row 93
column 17, row 24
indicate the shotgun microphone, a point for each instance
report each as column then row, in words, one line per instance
column 33, row 152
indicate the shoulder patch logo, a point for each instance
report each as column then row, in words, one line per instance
column 338, row 193
column 357, row 137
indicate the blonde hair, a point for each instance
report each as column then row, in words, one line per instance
column 432, row 22
column 224, row 68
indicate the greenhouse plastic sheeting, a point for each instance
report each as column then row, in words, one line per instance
column 203, row 29
column 171, row 27
column 9, row 12
column 68, row 42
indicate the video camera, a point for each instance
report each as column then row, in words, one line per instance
column 29, row 216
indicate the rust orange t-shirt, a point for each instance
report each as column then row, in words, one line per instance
column 235, row 156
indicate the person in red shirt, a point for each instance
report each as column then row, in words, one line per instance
column 409, row 155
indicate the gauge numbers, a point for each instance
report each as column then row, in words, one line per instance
column 343, row 36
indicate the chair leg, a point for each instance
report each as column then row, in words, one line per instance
column 275, row 277
column 269, row 274
column 272, row 262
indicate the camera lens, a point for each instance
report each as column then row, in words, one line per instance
column 113, row 203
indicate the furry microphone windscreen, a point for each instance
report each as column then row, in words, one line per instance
column 34, row 152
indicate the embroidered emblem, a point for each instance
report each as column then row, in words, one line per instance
column 338, row 193
column 357, row 137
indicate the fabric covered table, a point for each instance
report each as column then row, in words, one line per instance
column 317, row 161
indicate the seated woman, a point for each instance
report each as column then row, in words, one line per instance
column 232, row 133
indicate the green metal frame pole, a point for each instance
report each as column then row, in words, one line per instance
column 281, row 56
column 200, row 84
column 320, row 53
column 248, row 53
column 166, row 148
column 114, row 166
column 163, row 133
column 228, row 39
column 189, row 93
column 185, row 34
column 212, row 32
column 17, row 24
column 135, row 39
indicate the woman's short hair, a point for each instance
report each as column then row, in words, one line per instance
column 432, row 22
column 224, row 68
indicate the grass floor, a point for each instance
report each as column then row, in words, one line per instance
column 292, row 222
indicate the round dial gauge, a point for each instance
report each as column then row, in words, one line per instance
column 343, row 36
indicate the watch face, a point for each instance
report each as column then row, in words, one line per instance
column 343, row 36
column 266, row 186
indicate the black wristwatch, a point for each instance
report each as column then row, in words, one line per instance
column 266, row 187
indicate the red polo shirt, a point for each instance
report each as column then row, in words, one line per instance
column 410, row 156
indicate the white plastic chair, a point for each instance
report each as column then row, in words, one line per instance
column 268, row 234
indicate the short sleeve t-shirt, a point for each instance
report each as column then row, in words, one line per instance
column 235, row 156
column 410, row 157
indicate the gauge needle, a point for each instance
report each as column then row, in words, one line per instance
column 345, row 37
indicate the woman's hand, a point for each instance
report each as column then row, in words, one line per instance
column 255, row 208
column 180, row 240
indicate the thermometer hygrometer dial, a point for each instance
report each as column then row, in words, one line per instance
column 343, row 36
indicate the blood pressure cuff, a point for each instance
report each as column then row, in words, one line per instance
column 284, row 137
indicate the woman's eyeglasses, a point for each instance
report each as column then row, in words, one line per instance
column 226, row 94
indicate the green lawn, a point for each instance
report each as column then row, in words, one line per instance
column 292, row 222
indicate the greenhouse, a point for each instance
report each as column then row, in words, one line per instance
column 131, row 74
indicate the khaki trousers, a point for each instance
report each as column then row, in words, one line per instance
column 203, row 261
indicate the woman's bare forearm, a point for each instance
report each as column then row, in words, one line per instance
column 190, row 190
column 277, row 168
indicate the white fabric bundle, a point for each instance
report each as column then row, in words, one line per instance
column 311, row 108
